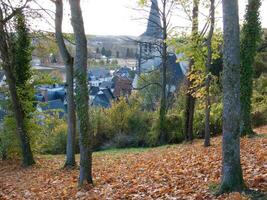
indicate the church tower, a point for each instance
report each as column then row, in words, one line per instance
column 154, row 27
column 150, row 40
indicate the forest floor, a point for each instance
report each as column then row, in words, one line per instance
column 185, row 171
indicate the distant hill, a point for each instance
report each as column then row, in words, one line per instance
column 120, row 46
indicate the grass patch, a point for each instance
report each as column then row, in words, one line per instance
column 214, row 188
column 121, row 151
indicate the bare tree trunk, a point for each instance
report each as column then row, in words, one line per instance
column 232, row 177
column 27, row 156
column 207, row 112
column 208, row 79
column 190, row 100
column 163, row 103
column 68, row 61
column 82, row 98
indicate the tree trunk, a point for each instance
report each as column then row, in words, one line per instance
column 27, row 156
column 189, row 116
column 208, row 78
column 190, row 100
column 163, row 102
column 68, row 61
column 249, row 45
column 82, row 98
column 207, row 113
column 20, row 119
column 232, row 178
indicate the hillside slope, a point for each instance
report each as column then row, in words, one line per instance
column 172, row 172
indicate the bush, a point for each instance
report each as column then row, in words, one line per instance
column 259, row 101
column 215, row 120
column 173, row 127
column 56, row 141
column 9, row 143
column 129, row 125
column 99, row 127
column 123, row 125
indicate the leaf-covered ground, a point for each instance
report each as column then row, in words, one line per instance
column 172, row 172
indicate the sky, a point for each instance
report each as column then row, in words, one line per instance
column 118, row 17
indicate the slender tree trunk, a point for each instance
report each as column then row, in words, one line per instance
column 27, row 156
column 20, row 119
column 163, row 103
column 189, row 116
column 207, row 113
column 208, row 79
column 68, row 61
column 190, row 100
column 232, row 178
column 82, row 98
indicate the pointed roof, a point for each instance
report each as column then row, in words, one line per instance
column 153, row 29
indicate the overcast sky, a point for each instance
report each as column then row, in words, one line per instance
column 117, row 17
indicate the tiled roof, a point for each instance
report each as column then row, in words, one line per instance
column 123, row 86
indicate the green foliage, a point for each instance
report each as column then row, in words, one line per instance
column 123, row 125
column 55, row 142
column 215, row 119
column 8, row 135
column 250, row 39
column 178, row 109
column 259, row 101
column 96, row 63
column 150, row 90
column 22, row 67
column 99, row 127
column 50, row 133
column 21, row 57
column 260, row 64
column 128, row 123
column 43, row 78
column 45, row 45
column 23, row 52
column 193, row 48
column 9, row 141
column 173, row 126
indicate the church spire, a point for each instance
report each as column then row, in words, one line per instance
column 153, row 29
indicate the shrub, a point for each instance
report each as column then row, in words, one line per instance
column 56, row 141
column 9, row 143
column 99, row 127
column 52, row 133
column 259, row 101
column 123, row 125
column 173, row 126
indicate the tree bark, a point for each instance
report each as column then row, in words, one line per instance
column 82, row 98
column 190, row 100
column 208, row 78
column 68, row 61
column 232, row 178
column 27, row 156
